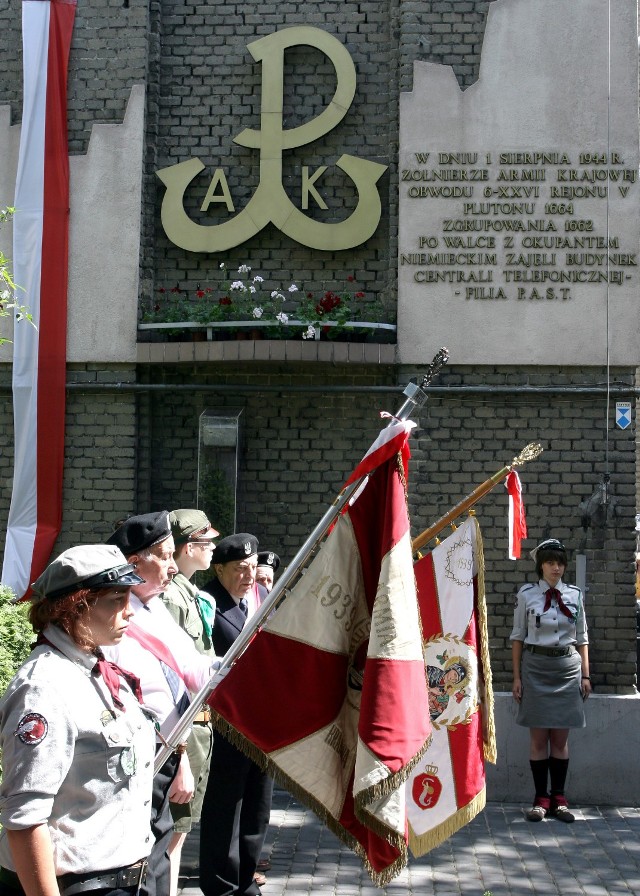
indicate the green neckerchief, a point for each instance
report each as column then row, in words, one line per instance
column 207, row 610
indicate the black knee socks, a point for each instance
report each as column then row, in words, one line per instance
column 539, row 770
column 558, row 774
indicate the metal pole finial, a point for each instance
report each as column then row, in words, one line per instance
column 435, row 367
column 529, row 452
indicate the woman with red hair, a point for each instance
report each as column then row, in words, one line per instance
column 77, row 746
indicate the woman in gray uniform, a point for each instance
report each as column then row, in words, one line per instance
column 550, row 674
column 77, row 747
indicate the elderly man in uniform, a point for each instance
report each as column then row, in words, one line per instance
column 268, row 563
column 168, row 665
column 194, row 611
column 235, row 812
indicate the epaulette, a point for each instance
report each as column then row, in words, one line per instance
column 575, row 588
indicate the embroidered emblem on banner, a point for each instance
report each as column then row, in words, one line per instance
column 426, row 788
column 452, row 678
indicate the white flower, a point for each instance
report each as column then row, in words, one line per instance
column 310, row 332
column 222, row 265
column 258, row 279
column 277, row 295
column 252, row 289
column 257, row 311
column 237, row 284
column 244, row 269
column 293, row 288
column 282, row 318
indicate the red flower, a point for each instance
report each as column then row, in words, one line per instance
column 200, row 293
column 176, row 288
column 350, row 278
column 162, row 289
column 225, row 300
column 328, row 302
column 359, row 295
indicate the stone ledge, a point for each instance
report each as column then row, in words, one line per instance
column 266, row 350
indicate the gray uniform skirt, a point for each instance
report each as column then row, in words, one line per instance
column 551, row 696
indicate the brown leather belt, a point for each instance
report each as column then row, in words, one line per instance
column 549, row 651
column 203, row 716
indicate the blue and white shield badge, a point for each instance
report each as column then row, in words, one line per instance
column 623, row 414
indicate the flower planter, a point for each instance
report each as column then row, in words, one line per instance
column 351, row 331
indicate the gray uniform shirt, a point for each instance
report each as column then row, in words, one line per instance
column 532, row 625
column 75, row 762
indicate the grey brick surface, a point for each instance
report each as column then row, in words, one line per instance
column 499, row 853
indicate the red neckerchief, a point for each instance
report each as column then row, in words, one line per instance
column 111, row 674
column 549, row 595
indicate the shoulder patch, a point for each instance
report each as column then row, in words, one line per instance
column 32, row 729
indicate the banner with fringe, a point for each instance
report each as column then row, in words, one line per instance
column 447, row 787
column 337, row 706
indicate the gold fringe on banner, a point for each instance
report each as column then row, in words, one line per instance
column 371, row 794
column 489, row 726
column 430, row 839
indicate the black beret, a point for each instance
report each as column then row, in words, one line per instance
column 235, row 547
column 268, row 558
column 140, row 532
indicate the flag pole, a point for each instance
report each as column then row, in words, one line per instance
column 529, row 452
column 415, row 397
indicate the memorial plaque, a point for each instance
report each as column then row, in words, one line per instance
column 519, row 224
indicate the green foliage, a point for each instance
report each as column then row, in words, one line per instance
column 16, row 635
column 7, row 286
column 245, row 296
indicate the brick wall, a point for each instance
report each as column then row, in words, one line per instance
column 133, row 451
column 100, row 452
column 129, row 452
column 301, row 446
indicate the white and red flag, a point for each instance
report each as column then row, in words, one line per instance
column 337, row 704
column 446, row 788
column 40, row 262
column 517, row 519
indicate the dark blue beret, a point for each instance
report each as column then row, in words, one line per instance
column 269, row 558
column 235, row 547
column 140, row 532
